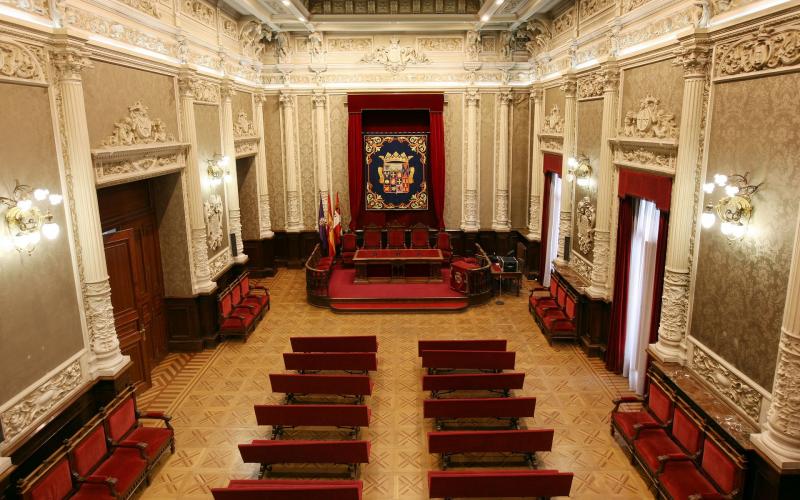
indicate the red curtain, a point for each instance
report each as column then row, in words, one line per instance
column 552, row 163
column 658, row 279
column 437, row 165
column 652, row 187
column 615, row 353
column 355, row 172
column 548, row 178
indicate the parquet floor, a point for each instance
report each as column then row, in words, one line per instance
column 211, row 397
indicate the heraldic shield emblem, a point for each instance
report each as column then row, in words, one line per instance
column 396, row 173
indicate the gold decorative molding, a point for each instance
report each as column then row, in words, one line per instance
column 551, row 143
column 770, row 48
column 588, row 8
column 147, row 6
column 246, row 146
column 38, row 7
column 645, row 156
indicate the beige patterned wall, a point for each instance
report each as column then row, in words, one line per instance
column 590, row 122
column 109, row 89
column 305, row 160
column 242, row 101
column 45, row 332
column 520, row 144
column 172, row 234
column 662, row 80
column 740, row 286
column 453, row 158
column 553, row 96
column 209, row 143
column 337, row 111
column 246, row 176
column 488, row 104
column 272, row 139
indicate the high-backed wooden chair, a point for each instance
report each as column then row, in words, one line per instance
column 443, row 244
column 372, row 238
column 419, row 236
column 349, row 247
column 395, row 236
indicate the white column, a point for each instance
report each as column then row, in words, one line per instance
column 262, row 181
column 294, row 220
column 780, row 437
column 501, row 220
column 320, row 148
column 536, row 173
column 570, row 114
column 695, row 57
column 605, row 188
column 470, row 221
column 232, row 185
column 106, row 360
column 201, row 274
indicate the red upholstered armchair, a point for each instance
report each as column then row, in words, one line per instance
column 395, row 236
column 419, row 236
column 372, row 238
column 443, row 244
column 719, row 475
column 349, row 247
column 685, row 437
column 51, row 480
column 658, row 407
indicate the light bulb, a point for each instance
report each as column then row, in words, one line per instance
column 485, row 18
column 583, row 182
column 286, row 2
column 731, row 190
column 227, row 176
column 6, row 244
column 34, row 237
column 24, row 205
column 499, row 2
column 708, row 187
column 572, row 162
column 720, row 179
column 570, row 177
column 50, row 230
column 707, row 220
column 726, row 228
column 223, row 162
column 40, row 193
column 55, row 199
column 301, row 19
column 738, row 230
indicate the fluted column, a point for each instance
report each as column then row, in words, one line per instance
column 262, row 181
column 320, row 148
column 107, row 359
column 535, row 162
column 501, row 220
column 695, row 56
column 605, row 179
column 294, row 220
column 570, row 114
column 232, row 186
column 780, row 436
column 201, row 274
column 469, row 219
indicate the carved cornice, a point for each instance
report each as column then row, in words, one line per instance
column 551, row 143
column 217, row 265
column 395, row 58
column 769, row 49
column 643, row 155
column 246, row 146
column 118, row 164
column 591, row 86
column 649, row 121
column 21, row 62
column 202, row 91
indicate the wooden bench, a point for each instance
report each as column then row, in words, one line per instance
column 354, row 343
column 347, row 361
column 468, row 360
column 269, row 452
column 282, row 416
column 526, row 442
column 511, row 409
column 461, row 345
column 288, row 489
column 499, row 483
column 341, row 385
column 502, row 382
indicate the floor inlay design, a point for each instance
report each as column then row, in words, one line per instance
column 211, row 397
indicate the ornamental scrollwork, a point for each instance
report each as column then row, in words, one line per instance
column 20, row 61
column 585, row 220
column 768, row 49
column 591, row 85
column 641, row 157
column 253, row 36
column 589, row 8
column 726, row 383
column 138, row 128
column 553, row 122
column 219, row 263
column 199, row 11
column 395, row 58
column 650, row 121
column 213, row 213
column 243, row 127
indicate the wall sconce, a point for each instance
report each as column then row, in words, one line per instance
column 580, row 170
column 734, row 209
column 217, row 170
column 25, row 222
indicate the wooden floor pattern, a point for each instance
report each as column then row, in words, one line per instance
column 211, row 397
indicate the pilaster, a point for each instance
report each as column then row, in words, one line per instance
column 569, row 87
column 470, row 222
column 232, row 185
column 294, row 219
column 536, row 173
column 320, row 147
column 501, row 220
column 264, row 218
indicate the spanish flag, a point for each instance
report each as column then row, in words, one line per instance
column 331, row 237
column 337, row 222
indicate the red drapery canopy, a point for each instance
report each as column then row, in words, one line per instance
column 652, row 187
column 552, row 163
column 396, row 113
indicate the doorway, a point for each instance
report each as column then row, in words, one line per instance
column 553, row 214
column 133, row 259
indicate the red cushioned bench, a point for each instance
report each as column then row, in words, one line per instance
column 461, row 345
column 503, row 382
column 289, row 489
column 268, row 452
column 527, row 442
column 499, row 483
column 501, row 408
column 341, row 385
column 362, row 343
column 346, row 361
column 281, row 416
column 468, row 360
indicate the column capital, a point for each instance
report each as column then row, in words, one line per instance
column 569, row 86
column 187, row 79
column 694, row 54
column 472, row 97
column 506, row 96
column 609, row 75
column 537, row 94
column 226, row 90
column 260, row 98
column 319, row 99
column 287, row 99
column 70, row 58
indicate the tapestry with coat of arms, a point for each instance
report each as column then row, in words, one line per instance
column 396, row 171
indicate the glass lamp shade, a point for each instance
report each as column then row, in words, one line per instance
column 572, row 162
column 50, row 230
column 24, row 205
column 731, row 190
column 40, row 194
column 738, row 231
column 708, row 187
column 720, row 179
column 55, row 199
column 583, row 181
column 707, row 220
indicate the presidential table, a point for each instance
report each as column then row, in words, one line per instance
column 406, row 264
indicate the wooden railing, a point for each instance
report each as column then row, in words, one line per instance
column 480, row 280
column 317, row 279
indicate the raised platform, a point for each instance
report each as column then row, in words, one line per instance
column 347, row 296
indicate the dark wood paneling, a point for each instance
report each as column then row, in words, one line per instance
column 261, row 254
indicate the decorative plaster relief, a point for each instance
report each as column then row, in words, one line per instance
column 586, row 217
column 200, row 12
column 580, row 265
column 213, row 213
column 361, row 44
column 243, row 127
column 440, row 44
column 629, row 5
column 726, row 383
column 228, row 26
column 205, row 92
column 252, row 36
column 39, row 7
column 649, row 121
column 246, row 146
column 657, row 28
column 146, row 6
column 553, row 122
column 552, row 144
column 138, row 128
column 41, row 401
column 770, row 48
column 588, row 8
column 114, row 165
column 564, row 22
column 591, row 86
column 641, row 158
column 20, row 61
column 217, row 265
column 111, row 29
column 395, row 58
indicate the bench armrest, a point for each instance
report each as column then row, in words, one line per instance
column 711, row 496
column 259, row 287
column 108, row 481
column 626, row 400
column 248, row 306
column 564, row 322
column 134, row 446
column 157, row 415
column 663, row 460
column 637, row 428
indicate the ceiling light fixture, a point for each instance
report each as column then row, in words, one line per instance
column 485, row 18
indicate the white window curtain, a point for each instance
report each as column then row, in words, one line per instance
column 552, row 238
column 644, row 246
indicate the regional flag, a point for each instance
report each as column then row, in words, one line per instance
column 337, row 222
column 323, row 229
column 331, row 239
